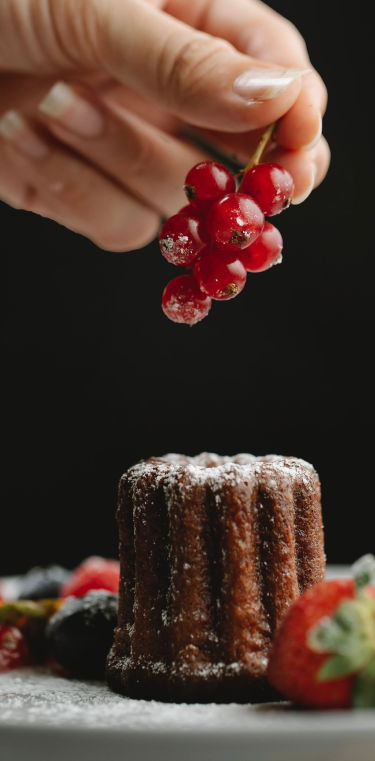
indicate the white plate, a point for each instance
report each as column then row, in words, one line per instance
column 47, row 718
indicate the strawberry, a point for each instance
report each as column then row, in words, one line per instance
column 24, row 622
column 14, row 651
column 323, row 655
column 93, row 573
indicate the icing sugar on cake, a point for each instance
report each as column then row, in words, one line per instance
column 213, row 550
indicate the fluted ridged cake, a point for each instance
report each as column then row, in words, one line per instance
column 213, row 550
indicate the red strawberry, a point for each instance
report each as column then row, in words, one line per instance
column 14, row 651
column 323, row 655
column 93, row 573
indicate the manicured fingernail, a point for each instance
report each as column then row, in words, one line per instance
column 317, row 137
column 300, row 199
column 265, row 84
column 64, row 105
column 16, row 131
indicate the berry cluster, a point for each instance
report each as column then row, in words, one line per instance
column 62, row 618
column 221, row 235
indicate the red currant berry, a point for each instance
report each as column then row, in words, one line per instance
column 182, row 239
column 221, row 274
column 206, row 182
column 235, row 221
column 188, row 211
column 14, row 651
column 265, row 252
column 271, row 186
column 183, row 301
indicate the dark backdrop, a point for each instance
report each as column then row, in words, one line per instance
column 94, row 377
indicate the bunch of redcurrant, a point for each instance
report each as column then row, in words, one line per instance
column 222, row 234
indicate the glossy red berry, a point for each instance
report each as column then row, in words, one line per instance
column 271, row 186
column 206, row 182
column 14, row 651
column 265, row 252
column 183, row 300
column 221, row 274
column 188, row 211
column 182, row 239
column 235, row 221
column 93, row 573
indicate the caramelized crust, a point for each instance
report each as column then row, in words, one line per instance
column 213, row 550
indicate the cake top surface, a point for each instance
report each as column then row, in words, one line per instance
column 215, row 469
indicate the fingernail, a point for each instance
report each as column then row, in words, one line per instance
column 15, row 130
column 265, row 84
column 300, row 199
column 317, row 137
column 64, row 105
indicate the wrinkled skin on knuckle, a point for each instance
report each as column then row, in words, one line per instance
column 187, row 75
column 38, row 33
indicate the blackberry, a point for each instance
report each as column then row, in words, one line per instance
column 80, row 634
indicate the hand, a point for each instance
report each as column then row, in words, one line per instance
column 95, row 96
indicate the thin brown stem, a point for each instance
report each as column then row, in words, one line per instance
column 257, row 155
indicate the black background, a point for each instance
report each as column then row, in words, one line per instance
column 94, row 377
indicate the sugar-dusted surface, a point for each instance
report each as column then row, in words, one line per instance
column 44, row 717
column 213, row 550
column 37, row 695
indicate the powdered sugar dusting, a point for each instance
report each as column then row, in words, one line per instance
column 36, row 696
column 204, row 604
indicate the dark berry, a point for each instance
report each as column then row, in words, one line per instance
column 80, row 634
column 182, row 239
column 14, row 651
column 206, row 182
column 93, row 573
column 42, row 583
column 271, row 186
column 183, row 301
column 235, row 221
column 221, row 274
column 265, row 252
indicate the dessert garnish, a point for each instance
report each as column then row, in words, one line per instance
column 93, row 573
column 323, row 655
column 80, row 635
column 222, row 234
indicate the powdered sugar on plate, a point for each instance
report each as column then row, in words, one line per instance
column 37, row 695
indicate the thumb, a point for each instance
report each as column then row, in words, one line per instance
column 200, row 78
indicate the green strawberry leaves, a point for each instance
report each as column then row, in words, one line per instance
column 364, row 688
column 12, row 612
column 344, row 665
column 364, row 571
column 349, row 636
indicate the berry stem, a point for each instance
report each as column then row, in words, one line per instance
column 257, row 155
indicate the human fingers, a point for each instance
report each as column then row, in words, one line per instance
column 73, row 191
column 140, row 157
column 193, row 74
column 257, row 30
column 308, row 169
